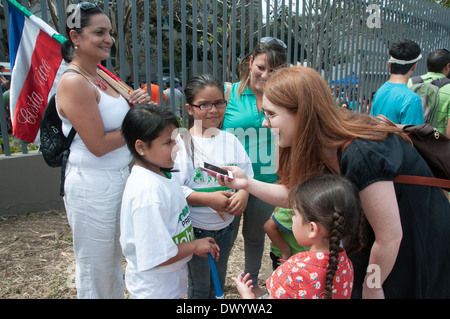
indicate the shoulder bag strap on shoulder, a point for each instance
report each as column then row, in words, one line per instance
column 416, row 79
column 416, row 180
column 441, row 82
column 71, row 135
column 72, row 131
column 75, row 71
column 422, row 180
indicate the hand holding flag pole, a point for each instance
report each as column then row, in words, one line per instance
column 115, row 82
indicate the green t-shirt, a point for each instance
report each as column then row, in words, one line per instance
column 244, row 121
column 283, row 219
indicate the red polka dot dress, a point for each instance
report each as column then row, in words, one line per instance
column 303, row 277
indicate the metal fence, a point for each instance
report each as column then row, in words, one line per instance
column 347, row 41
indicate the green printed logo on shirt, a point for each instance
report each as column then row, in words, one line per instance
column 184, row 214
column 187, row 234
column 201, row 177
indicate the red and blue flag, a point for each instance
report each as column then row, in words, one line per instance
column 36, row 64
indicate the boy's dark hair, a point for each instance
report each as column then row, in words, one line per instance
column 145, row 122
column 405, row 50
column 437, row 60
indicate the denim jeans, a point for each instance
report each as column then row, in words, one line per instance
column 255, row 216
column 200, row 282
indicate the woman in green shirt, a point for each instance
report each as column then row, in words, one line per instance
column 244, row 118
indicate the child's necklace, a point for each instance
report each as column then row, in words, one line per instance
column 100, row 83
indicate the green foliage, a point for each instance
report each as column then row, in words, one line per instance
column 16, row 147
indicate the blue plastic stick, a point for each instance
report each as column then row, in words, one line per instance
column 215, row 275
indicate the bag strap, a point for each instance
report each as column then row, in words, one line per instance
column 385, row 120
column 411, row 179
column 422, row 180
column 416, row 79
column 440, row 82
column 71, row 135
column 70, row 138
column 75, row 71
column 72, row 131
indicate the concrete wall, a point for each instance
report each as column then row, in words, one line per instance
column 27, row 184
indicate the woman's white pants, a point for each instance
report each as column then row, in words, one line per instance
column 92, row 200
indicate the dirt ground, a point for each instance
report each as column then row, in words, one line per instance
column 37, row 262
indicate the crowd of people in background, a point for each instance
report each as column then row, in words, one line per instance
column 323, row 192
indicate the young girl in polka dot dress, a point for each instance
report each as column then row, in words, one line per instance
column 327, row 217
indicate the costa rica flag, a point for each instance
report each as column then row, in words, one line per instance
column 36, row 64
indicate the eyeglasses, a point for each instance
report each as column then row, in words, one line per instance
column 270, row 39
column 263, row 110
column 209, row 105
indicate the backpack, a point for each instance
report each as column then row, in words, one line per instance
column 428, row 93
column 434, row 147
column 55, row 147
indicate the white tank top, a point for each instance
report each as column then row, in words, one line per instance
column 112, row 110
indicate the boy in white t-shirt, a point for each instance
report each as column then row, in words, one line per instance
column 156, row 230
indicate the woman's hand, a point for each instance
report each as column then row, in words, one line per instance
column 139, row 96
column 240, row 179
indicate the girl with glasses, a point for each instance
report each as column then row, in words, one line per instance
column 212, row 207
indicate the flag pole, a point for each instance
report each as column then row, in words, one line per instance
column 115, row 82
column 215, row 276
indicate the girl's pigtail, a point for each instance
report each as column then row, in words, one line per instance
column 335, row 239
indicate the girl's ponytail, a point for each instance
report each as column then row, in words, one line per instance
column 333, row 202
column 333, row 261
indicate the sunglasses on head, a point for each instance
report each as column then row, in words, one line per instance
column 270, row 39
column 86, row 5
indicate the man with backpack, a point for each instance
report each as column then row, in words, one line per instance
column 426, row 85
